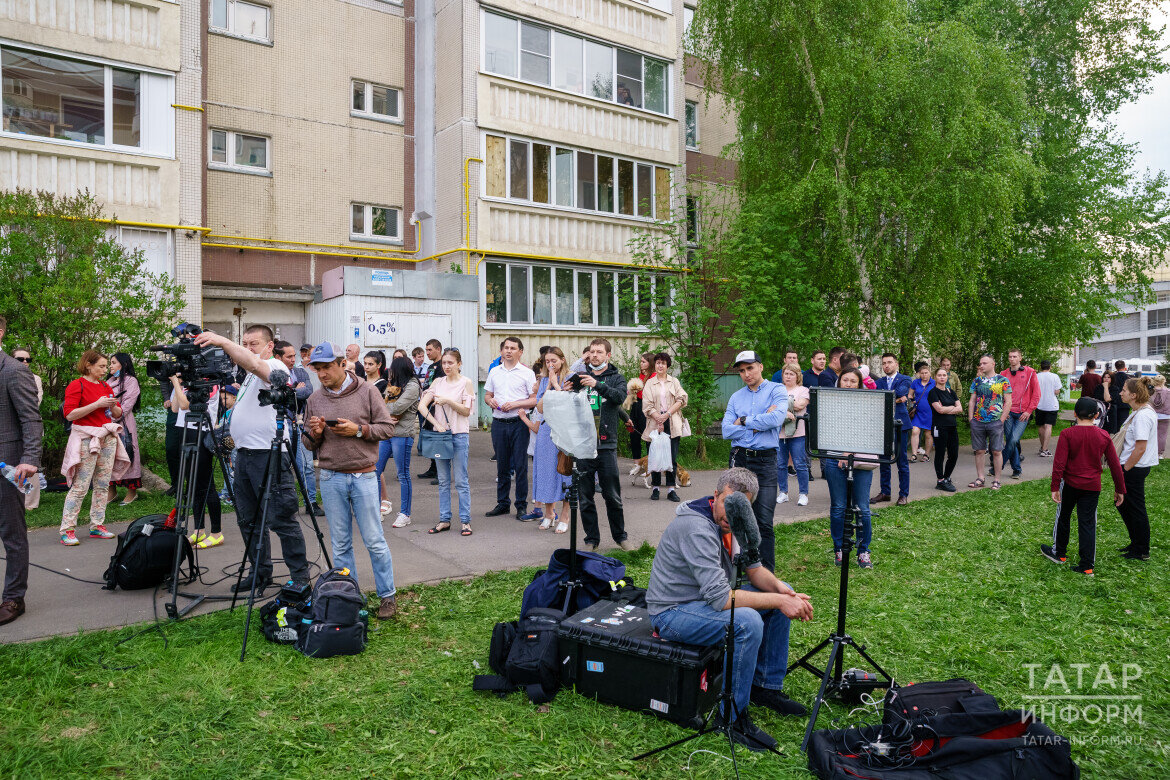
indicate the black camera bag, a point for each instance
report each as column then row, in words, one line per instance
column 919, row 700
column 145, row 555
column 282, row 622
column 334, row 625
column 524, row 656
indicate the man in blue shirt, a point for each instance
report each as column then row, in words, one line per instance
column 900, row 384
column 752, row 423
column 816, row 375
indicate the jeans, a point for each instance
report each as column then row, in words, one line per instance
column 1013, row 429
column 837, row 485
column 397, row 447
column 458, row 463
column 903, row 467
column 795, row 448
column 305, row 466
column 763, row 465
column 761, row 642
column 605, row 467
column 349, row 498
column 248, row 488
column 510, row 441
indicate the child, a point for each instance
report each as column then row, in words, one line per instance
column 1076, row 481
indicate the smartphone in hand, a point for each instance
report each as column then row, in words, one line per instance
column 331, row 423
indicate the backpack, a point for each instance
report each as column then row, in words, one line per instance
column 283, row 619
column 523, row 655
column 145, row 554
column 335, row 623
column 599, row 576
column 925, row 699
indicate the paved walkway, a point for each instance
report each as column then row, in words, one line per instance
column 58, row 605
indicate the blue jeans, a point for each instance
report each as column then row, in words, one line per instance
column 354, row 497
column 305, row 466
column 761, row 642
column 1013, row 430
column 903, row 467
column 458, row 464
column 835, row 475
column 795, row 448
column 397, row 447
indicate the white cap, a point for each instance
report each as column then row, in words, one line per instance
column 747, row 356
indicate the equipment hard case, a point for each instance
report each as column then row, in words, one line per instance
column 609, row 652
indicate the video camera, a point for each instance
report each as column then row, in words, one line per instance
column 280, row 394
column 201, row 368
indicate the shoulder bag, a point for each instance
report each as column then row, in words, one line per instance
column 438, row 445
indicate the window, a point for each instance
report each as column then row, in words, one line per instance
column 1162, row 297
column 1158, row 318
column 516, row 293
column 247, row 20
column 238, row 151
column 52, row 97
column 571, row 63
column 691, row 120
column 375, row 101
column 688, row 17
column 692, row 221
column 1159, row 345
column 374, row 223
column 519, row 169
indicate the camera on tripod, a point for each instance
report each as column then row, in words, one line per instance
column 201, row 368
column 282, row 397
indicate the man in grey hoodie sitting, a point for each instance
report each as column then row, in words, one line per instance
column 689, row 600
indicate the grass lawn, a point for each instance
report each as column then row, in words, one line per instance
column 959, row 589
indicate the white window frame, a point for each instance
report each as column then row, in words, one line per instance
column 368, row 99
column 230, row 13
column 156, row 94
column 230, row 144
column 520, row 21
column 688, row 106
column 575, row 165
column 591, row 272
column 368, row 222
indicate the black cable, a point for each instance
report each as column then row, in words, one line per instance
column 63, row 574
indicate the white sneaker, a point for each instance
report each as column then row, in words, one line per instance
column 802, row 500
column 782, row 498
column 401, row 521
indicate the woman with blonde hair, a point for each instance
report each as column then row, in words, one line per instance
column 663, row 400
column 94, row 453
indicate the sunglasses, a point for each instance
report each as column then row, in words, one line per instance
column 25, row 360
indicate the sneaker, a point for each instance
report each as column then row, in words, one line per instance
column 745, row 732
column 100, row 532
column 69, row 538
column 245, row 586
column 940, row 485
column 401, row 521
column 654, row 494
column 388, row 608
column 1086, row 570
column 195, row 537
column 837, row 556
column 949, row 486
column 528, row 517
column 802, row 500
column 1016, row 474
column 671, row 495
column 1136, row 556
column 782, row 498
column 211, row 540
column 777, row 701
column 1051, row 554
column 864, row 561
column 626, row 545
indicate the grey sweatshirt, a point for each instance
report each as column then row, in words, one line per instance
column 691, row 563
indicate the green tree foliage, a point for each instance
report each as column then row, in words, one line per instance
column 68, row 286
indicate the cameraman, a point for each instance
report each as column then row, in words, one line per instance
column 253, row 428
column 606, row 388
column 205, row 494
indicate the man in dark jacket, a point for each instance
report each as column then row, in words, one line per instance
column 607, row 390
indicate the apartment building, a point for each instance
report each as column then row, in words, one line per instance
column 308, row 155
column 104, row 96
column 1138, row 334
column 549, row 132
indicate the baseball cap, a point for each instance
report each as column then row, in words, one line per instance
column 747, row 356
column 306, row 347
column 322, row 353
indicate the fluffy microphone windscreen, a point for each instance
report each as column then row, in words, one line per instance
column 742, row 520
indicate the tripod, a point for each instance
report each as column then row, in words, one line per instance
column 832, row 681
column 572, row 582
column 726, row 702
column 272, row 475
column 185, row 499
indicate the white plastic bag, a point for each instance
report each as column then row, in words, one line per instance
column 570, row 422
column 658, row 459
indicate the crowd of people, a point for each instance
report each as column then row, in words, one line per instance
column 355, row 414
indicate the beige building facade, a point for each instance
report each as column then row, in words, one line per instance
column 103, row 96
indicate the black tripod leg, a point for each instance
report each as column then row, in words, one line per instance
column 254, row 535
column 805, row 661
column 184, row 500
column 812, row 718
column 271, row 472
column 308, row 504
column 861, row 651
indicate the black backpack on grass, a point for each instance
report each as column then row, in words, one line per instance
column 523, row 655
column 334, row 624
column 145, row 555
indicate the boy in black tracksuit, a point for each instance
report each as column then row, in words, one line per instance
column 607, row 390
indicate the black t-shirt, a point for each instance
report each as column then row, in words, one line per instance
column 945, row 398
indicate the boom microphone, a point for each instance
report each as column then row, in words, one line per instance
column 278, row 377
column 743, row 524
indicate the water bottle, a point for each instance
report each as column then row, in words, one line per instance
column 9, row 473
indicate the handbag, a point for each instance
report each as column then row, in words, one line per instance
column 127, row 442
column 564, row 464
column 438, row 445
